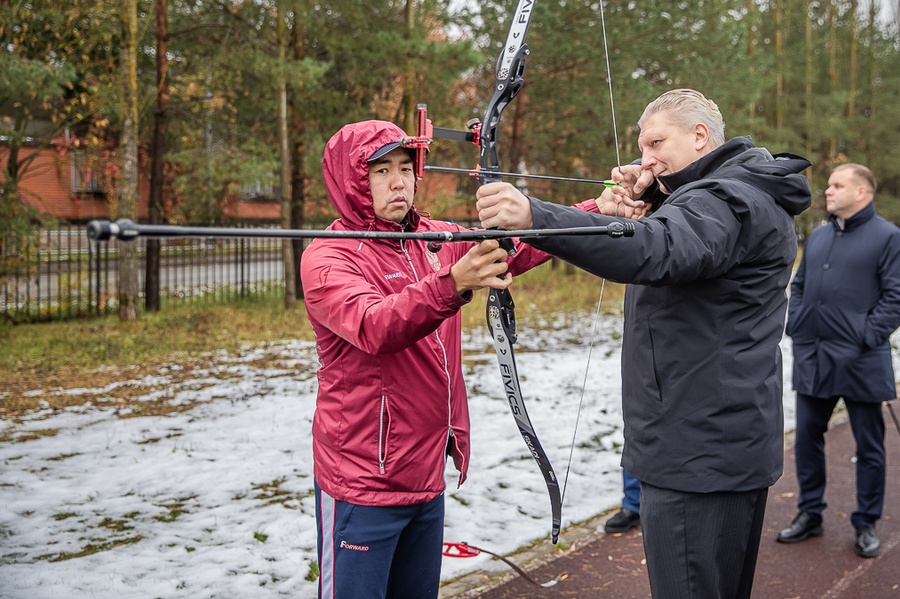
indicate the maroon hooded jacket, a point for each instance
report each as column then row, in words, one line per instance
column 392, row 401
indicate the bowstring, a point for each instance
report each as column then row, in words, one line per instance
column 612, row 103
column 596, row 319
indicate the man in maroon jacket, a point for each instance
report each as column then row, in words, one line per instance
column 391, row 404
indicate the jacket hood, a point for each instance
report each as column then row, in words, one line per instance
column 345, row 167
column 778, row 175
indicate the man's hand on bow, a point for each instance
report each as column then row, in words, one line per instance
column 502, row 206
column 484, row 265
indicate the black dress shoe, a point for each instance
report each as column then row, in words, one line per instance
column 867, row 542
column 623, row 521
column 804, row 526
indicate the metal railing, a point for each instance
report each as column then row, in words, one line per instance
column 59, row 274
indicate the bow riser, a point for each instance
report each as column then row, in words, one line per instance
column 500, row 307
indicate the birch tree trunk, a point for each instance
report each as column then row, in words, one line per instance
column 127, row 190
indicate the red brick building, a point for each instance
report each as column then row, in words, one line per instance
column 61, row 183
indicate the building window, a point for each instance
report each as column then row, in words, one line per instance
column 86, row 180
column 260, row 191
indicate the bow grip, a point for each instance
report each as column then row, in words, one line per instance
column 485, row 176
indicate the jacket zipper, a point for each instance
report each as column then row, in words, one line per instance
column 443, row 353
column 449, row 392
column 382, row 444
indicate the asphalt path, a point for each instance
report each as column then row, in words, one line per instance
column 595, row 564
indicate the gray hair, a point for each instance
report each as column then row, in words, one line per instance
column 686, row 108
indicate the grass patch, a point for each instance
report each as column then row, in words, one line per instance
column 313, row 574
column 459, row 499
column 175, row 508
column 63, row 456
column 96, row 353
column 116, row 525
column 182, row 329
column 64, row 516
column 91, row 549
column 271, row 493
column 32, row 435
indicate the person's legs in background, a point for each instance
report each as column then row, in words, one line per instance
column 813, row 414
column 629, row 515
column 867, row 423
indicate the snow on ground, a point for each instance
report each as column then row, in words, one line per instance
column 217, row 501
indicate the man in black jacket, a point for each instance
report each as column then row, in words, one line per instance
column 707, row 270
column 845, row 303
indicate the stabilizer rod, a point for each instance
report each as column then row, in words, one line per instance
column 126, row 230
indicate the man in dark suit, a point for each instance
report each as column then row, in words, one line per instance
column 844, row 305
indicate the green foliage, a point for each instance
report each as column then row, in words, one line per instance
column 339, row 68
column 814, row 78
column 16, row 233
column 37, row 350
column 53, row 57
column 207, row 176
column 28, row 78
column 562, row 122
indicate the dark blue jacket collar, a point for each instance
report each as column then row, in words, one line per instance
column 857, row 220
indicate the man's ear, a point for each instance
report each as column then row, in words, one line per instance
column 701, row 136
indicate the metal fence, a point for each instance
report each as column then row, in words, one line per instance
column 60, row 274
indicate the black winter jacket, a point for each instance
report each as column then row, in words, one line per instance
column 844, row 305
column 704, row 314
